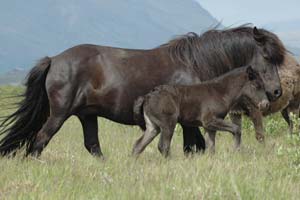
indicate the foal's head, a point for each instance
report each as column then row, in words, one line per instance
column 254, row 90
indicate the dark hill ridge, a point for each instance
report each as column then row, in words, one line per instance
column 32, row 29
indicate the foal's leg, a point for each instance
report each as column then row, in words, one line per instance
column 237, row 120
column 193, row 140
column 211, row 138
column 150, row 133
column 218, row 124
column 90, row 133
column 257, row 120
column 52, row 125
column 286, row 117
column 166, row 135
column 143, row 141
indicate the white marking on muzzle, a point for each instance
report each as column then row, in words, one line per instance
column 263, row 105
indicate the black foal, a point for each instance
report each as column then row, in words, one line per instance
column 204, row 104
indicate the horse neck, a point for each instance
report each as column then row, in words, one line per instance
column 231, row 85
column 213, row 62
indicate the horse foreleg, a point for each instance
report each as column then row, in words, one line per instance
column 257, row 120
column 193, row 140
column 90, row 133
column 237, row 120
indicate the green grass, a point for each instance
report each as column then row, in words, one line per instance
column 67, row 171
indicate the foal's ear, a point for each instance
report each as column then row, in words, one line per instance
column 258, row 36
column 251, row 73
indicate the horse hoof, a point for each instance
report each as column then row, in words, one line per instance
column 101, row 158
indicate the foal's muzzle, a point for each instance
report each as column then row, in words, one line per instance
column 263, row 105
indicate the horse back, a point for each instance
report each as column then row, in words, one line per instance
column 91, row 79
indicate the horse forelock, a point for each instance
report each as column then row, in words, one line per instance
column 274, row 48
column 218, row 51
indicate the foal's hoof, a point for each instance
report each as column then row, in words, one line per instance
column 260, row 138
column 135, row 154
column 212, row 151
column 237, row 147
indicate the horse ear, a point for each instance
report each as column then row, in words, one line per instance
column 258, row 36
column 251, row 73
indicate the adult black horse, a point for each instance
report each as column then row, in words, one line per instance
column 90, row 81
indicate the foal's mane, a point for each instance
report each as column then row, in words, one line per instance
column 217, row 51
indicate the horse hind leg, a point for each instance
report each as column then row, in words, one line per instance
column 90, row 133
column 165, row 140
column 52, row 125
column 59, row 106
column 150, row 133
column 167, row 132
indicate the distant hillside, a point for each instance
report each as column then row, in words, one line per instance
column 32, row 29
column 13, row 77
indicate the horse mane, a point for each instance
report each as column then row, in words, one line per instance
column 223, row 50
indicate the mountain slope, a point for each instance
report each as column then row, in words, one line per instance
column 32, row 29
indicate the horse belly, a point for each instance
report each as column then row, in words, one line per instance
column 111, row 104
column 190, row 117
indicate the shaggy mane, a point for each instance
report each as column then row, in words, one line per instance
column 224, row 50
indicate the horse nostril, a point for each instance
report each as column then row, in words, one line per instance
column 277, row 93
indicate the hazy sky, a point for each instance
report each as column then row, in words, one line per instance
column 259, row 12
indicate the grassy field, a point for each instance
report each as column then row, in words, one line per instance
column 67, row 171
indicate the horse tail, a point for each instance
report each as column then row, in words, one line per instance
column 21, row 127
column 138, row 112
